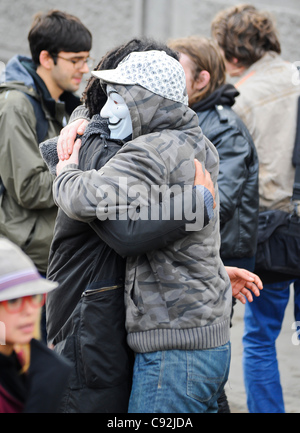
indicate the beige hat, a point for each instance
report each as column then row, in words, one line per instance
column 18, row 275
column 154, row 70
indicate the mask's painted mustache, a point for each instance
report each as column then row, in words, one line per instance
column 115, row 124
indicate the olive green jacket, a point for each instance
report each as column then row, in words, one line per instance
column 27, row 209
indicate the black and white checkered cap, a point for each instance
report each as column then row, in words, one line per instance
column 154, row 70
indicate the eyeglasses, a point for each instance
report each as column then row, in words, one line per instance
column 78, row 63
column 14, row 306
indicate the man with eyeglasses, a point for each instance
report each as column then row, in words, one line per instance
column 36, row 100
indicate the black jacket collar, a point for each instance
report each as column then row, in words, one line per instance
column 224, row 95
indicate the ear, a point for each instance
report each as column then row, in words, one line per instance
column 239, row 67
column 202, row 80
column 234, row 68
column 46, row 60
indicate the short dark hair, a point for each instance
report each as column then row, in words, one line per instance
column 245, row 33
column 57, row 31
column 94, row 96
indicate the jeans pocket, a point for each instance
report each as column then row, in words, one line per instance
column 207, row 372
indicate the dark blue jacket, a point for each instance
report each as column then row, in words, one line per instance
column 238, row 178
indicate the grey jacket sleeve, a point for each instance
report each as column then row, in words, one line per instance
column 122, row 192
column 127, row 186
column 137, row 237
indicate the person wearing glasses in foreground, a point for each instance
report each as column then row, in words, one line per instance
column 32, row 377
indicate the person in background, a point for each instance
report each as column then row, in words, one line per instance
column 211, row 98
column 32, row 377
column 268, row 105
column 36, row 100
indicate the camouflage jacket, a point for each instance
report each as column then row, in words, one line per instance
column 179, row 297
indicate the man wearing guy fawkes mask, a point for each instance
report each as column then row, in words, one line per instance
column 86, row 318
column 117, row 113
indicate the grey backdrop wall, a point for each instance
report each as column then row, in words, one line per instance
column 113, row 22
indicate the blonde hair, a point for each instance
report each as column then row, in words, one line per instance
column 23, row 350
column 205, row 56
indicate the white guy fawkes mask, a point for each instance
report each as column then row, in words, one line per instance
column 118, row 115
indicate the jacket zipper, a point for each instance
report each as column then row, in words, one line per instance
column 104, row 289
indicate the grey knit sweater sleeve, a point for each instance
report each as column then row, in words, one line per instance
column 80, row 112
column 49, row 154
column 48, row 148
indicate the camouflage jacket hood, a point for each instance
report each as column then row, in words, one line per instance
column 178, row 297
column 152, row 113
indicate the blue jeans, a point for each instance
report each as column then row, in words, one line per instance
column 179, row 381
column 263, row 323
